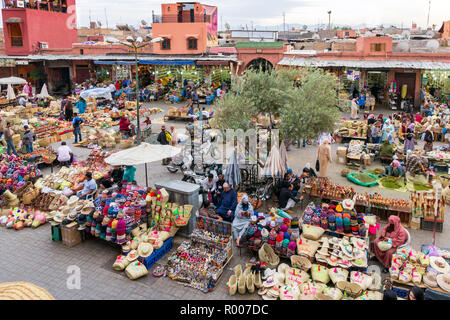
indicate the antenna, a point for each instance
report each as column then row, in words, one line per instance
column 106, row 17
column 284, row 22
column 429, row 8
column 90, row 20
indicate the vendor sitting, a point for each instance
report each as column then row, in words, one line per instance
column 242, row 215
column 396, row 235
column 227, row 203
column 208, row 212
column 415, row 164
column 386, row 149
column 308, row 172
column 287, row 200
column 89, row 187
column 209, row 187
column 395, row 168
column 115, row 177
column 124, row 127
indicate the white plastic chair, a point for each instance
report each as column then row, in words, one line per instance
column 408, row 240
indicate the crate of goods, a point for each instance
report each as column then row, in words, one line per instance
column 157, row 254
column 70, row 235
column 429, row 225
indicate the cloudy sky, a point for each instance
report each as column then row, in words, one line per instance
column 270, row 12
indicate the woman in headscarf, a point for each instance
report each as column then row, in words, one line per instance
column 371, row 119
column 242, row 218
column 428, row 139
column 397, row 235
column 409, row 141
column 387, row 125
column 354, row 109
column 324, row 156
column 309, row 171
column 68, row 111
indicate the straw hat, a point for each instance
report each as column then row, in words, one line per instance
column 282, row 268
column 72, row 201
column 333, row 261
column 323, row 252
column 88, row 209
column 270, row 282
column 439, row 264
column 145, row 249
column 430, row 279
column 443, row 281
column 23, row 291
column 59, row 218
column 132, row 255
column 279, row 278
column 346, row 248
column 72, row 215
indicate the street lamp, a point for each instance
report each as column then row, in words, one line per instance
column 136, row 44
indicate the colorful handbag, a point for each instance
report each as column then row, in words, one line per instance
column 320, row 274
column 135, row 270
column 121, row 263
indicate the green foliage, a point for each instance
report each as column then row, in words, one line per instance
column 313, row 109
column 231, row 112
column 305, row 110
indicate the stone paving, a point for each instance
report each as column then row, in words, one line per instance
column 31, row 255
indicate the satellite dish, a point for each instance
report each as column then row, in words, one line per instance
column 406, row 34
column 99, row 23
column 432, row 44
column 227, row 26
column 143, row 22
column 430, row 33
column 368, row 34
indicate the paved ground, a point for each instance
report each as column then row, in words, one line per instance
column 31, row 255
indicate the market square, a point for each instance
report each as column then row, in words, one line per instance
column 188, row 160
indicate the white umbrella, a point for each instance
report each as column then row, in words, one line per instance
column 274, row 164
column 44, row 92
column 12, row 80
column 142, row 154
column 10, row 93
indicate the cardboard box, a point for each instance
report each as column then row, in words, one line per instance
column 70, row 234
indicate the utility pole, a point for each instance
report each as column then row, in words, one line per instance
column 106, row 17
column 429, row 8
column 284, row 23
column 329, row 20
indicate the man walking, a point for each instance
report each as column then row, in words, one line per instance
column 8, row 133
column 28, row 139
column 77, row 121
column 195, row 98
column 164, row 138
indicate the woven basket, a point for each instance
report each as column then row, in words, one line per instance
column 23, row 291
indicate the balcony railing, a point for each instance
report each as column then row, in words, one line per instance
column 186, row 18
column 51, row 5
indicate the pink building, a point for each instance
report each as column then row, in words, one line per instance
column 39, row 25
column 187, row 28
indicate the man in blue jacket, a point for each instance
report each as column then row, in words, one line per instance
column 228, row 203
column 77, row 121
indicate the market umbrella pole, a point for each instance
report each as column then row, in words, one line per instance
column 138, row 138
column 146, row 175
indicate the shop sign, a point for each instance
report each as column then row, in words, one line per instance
column 22, row 62
column 7, row 63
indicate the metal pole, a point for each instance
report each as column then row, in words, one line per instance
column 146, row 175
column 435, row 215
column 138, row 138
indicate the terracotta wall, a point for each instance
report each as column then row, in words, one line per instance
column 178, row 33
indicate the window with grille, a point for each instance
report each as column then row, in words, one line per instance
column 378, row 47
column 15, row 33
column 165, row 45
column 192, row 44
